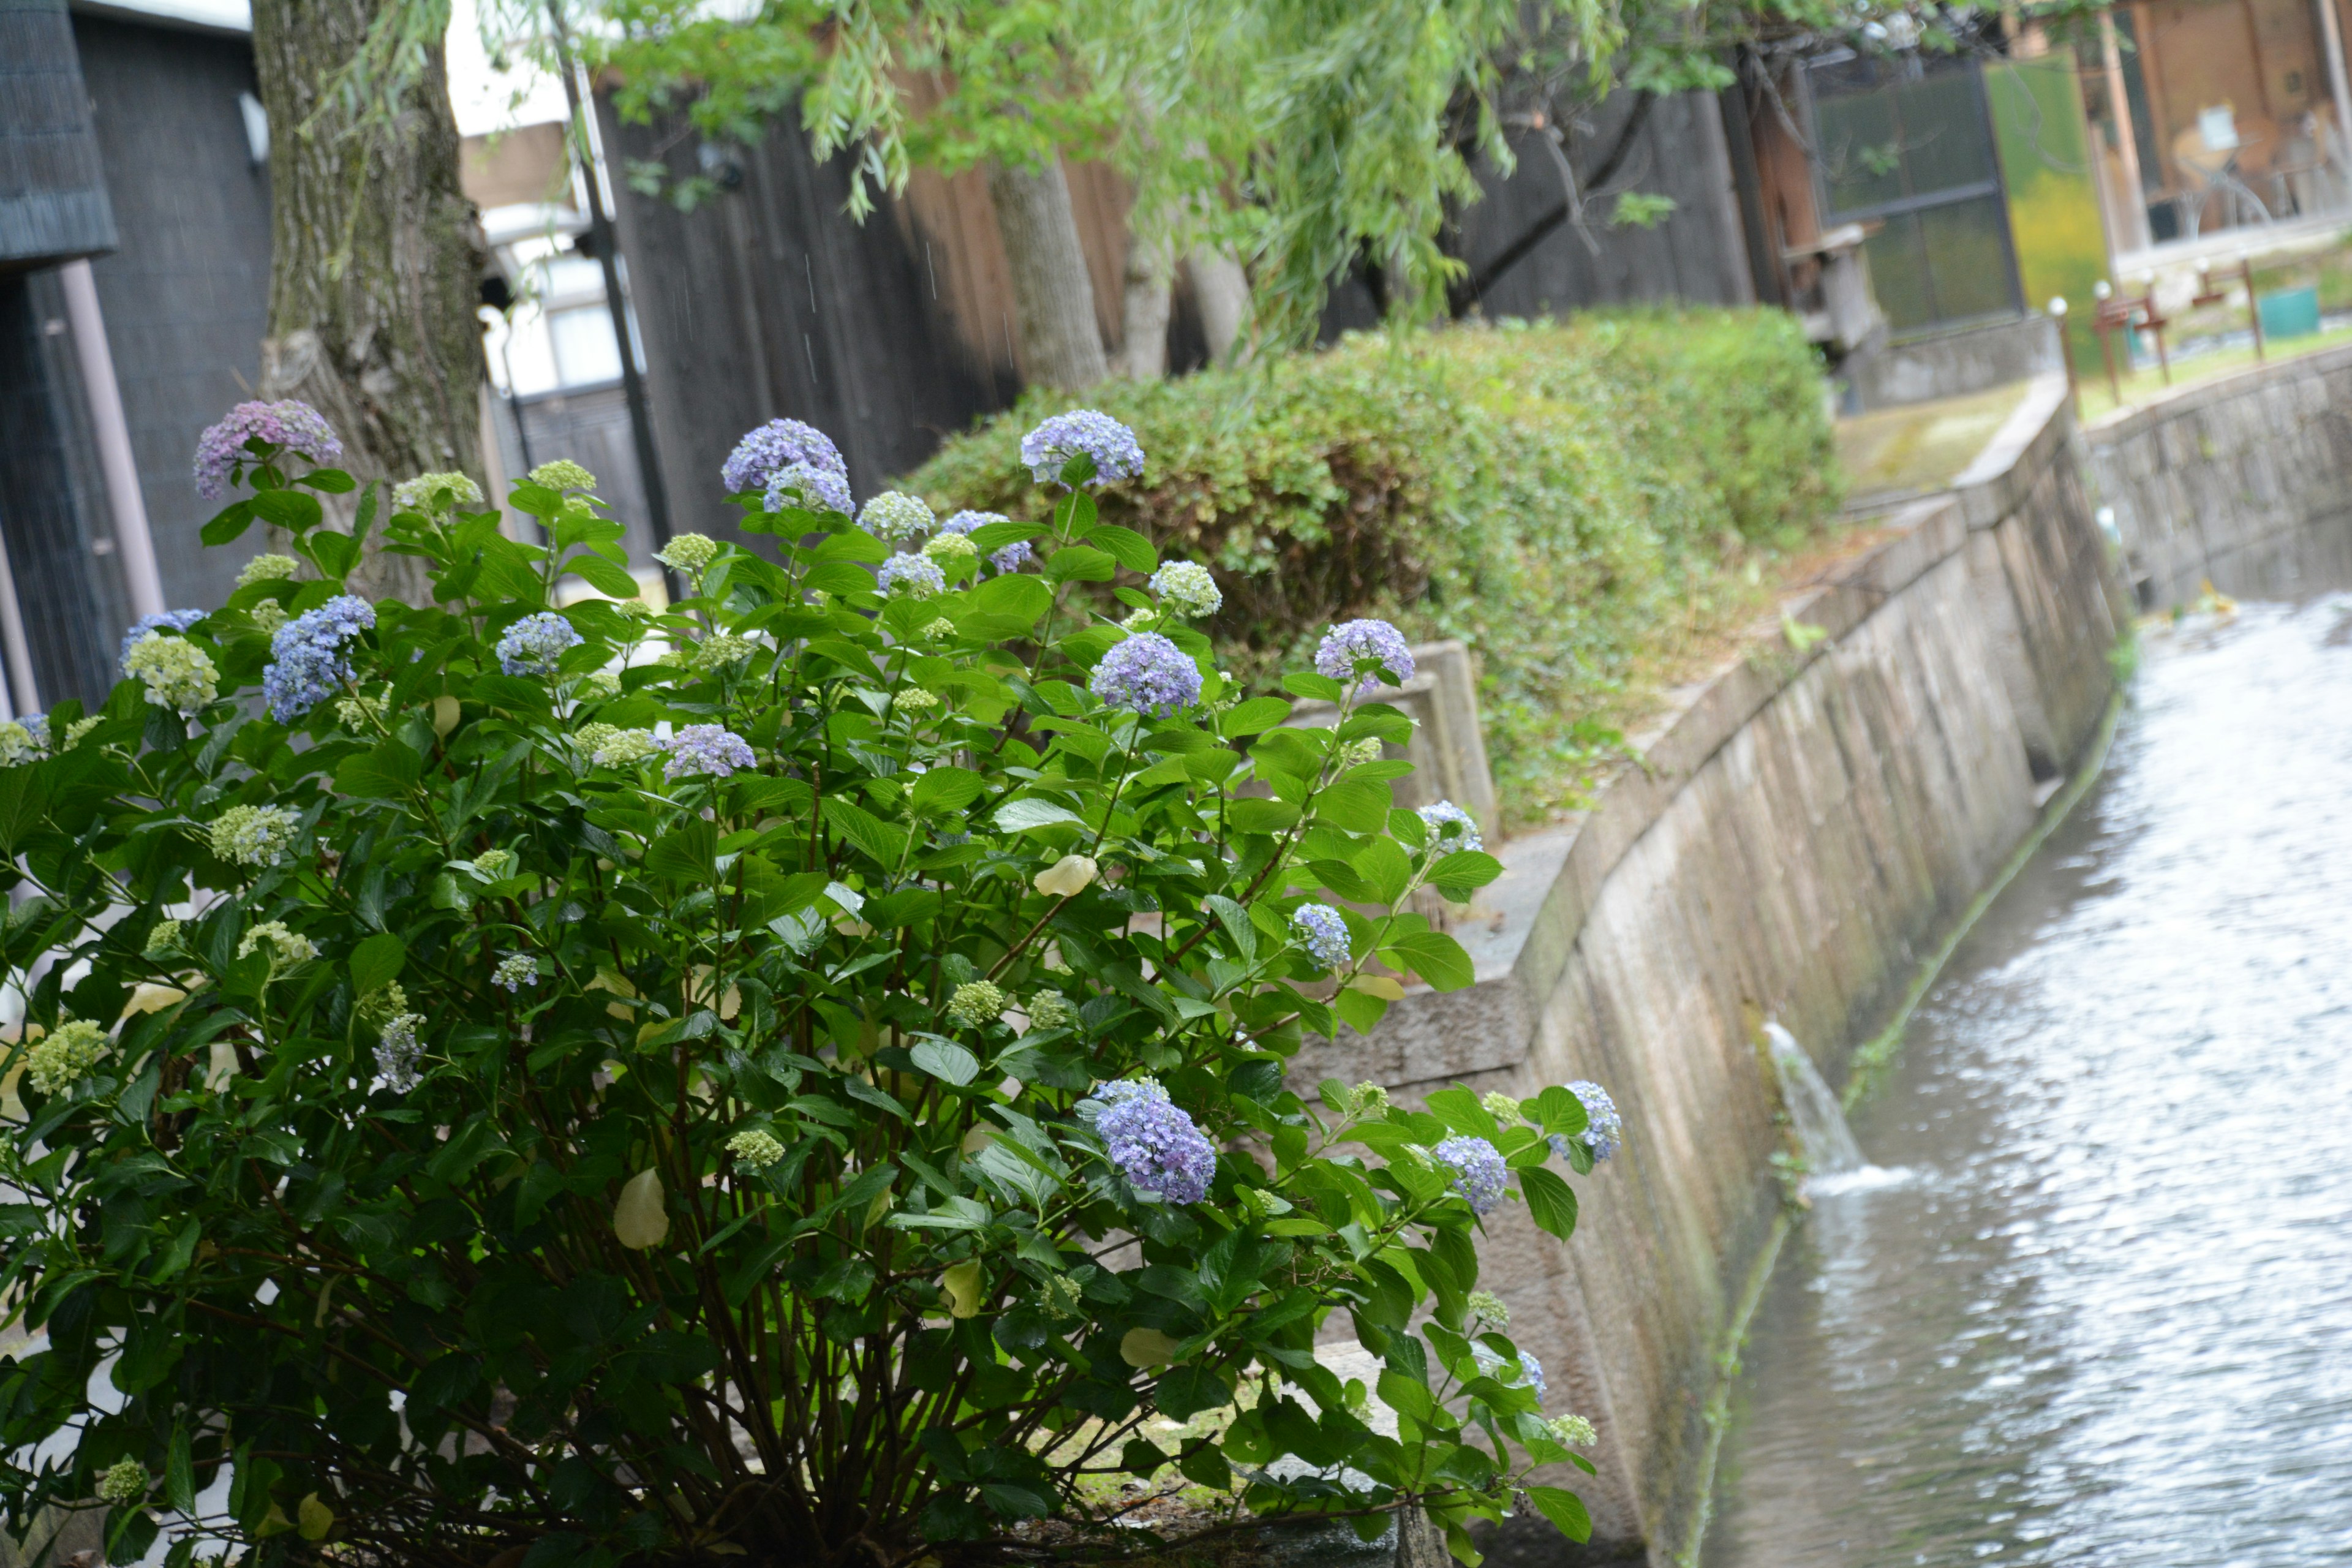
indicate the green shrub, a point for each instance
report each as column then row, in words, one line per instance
column 784, row 1079
column 1572, row 500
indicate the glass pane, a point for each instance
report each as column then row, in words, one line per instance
column 1898, row 275
column 586, row 349
column 1861, row 150
column 1967, row 262
column 1943, row 138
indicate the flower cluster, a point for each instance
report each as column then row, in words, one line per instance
column 755, row 1147
column 514, row 971
column 536, row 644
column 778, row 444
column 1185, row 588
column 1605, row 1129
column 803, row 485
column 290, row 425
column 688, row 551
column 287, row 948
column 1452, row 827
column 1571, row 1432
column 705, row 748
column 1320, row 931
column 1489, row 1307
column 914, row 699
column 954, row 553
column 1147, row 674
column 1010, row 558
column 918, row 575
column 1050, row 1010
column 253, row 835
column 18, row 744
column 723, row 651
column 564, row 475
column 163, row 940
column 1531, row 1375
column 495, row 863
column 310, row 656
column 895, row 517
column 177, row 674
column 416, row 494
column 619, row 748
column 1479, row 1173
column 397, row 1049
column 267, row 569
column 1350, row 643
column 359, row 714
column 124, row 1483
column 146, row 626
column 1153, row 1142
column 1113, row 447
column 976, row 1003
column 59, row 1061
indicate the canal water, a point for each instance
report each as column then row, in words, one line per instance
column 2093, row 1303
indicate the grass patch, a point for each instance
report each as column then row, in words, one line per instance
column 1591, row 505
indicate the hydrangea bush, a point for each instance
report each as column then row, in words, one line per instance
column 798, row 1075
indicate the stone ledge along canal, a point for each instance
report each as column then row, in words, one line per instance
column 2092, row 1302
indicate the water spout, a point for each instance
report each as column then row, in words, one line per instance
column 1827, row 1141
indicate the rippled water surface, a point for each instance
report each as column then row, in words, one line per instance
column 2106, row 1315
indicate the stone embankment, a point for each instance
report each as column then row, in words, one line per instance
column 2239, row 482
column 1810, row 822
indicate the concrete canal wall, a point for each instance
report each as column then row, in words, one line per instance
column 1810, row 824
column 2239, row 481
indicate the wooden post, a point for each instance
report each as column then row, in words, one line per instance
column 2066, row 355
column 2331, row 38
column 2134, row 194
column 2254, row 306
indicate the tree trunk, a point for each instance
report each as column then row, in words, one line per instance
column 1150, row 284
column 1222, row 289
column 1061, row 346
column 376, row 260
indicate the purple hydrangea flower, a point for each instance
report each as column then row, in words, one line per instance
column 1349, row 641
column 535, row 644
column 311, row 656
column 1452, row 827
column 292, row 424
column 779, row 444
column 1605, row 1129
column 919, row 576
column 810, row 487
column 1531, row 1373
column 1153, row 1142
column 1321, row 931
column 1147, row 674
column 700, row 749
column 146, row 626
column 1111, row 444
column 1479, row 1173
column 1010, row 558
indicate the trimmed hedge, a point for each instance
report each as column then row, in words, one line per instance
column 1577, row 501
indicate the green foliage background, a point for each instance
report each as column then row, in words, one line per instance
column 1574, row 499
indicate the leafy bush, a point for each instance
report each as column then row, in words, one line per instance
column 798, row 1075
column 1555, row 495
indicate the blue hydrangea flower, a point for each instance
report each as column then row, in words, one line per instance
column 1531, row 1373
column 895, row 517
column 146, row 626
column 1450, row 828
column 810, row 488
column 1153, row 1142
column 1111, row 444
column 536, row 644
column 311, row 656
column 1605, row 1129
column 705, row 748
column 778, row 444
column 1479, row 1173
column 1147, row 674
column 1010, row 558
column 1319, row 929
column 1350, row 641
column 918, row 575
column 289, row 426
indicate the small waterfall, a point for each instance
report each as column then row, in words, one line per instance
column 1830, row 1148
